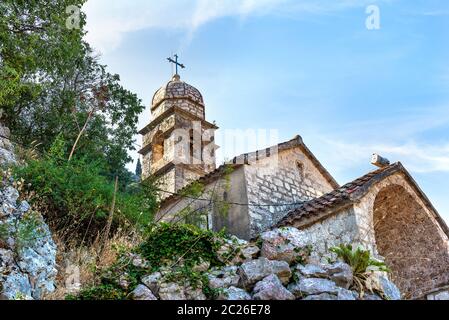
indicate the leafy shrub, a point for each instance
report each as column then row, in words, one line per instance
column 172, row 242
column 76, row 197
column 100, row 292
column 177, row 246
column 359, row 259
column 363, row 267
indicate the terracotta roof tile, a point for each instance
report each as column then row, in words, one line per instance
column 332, row 199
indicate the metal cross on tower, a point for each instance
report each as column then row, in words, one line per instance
column 176, row 63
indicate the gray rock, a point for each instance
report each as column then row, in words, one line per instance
column 255, row 270
column 250, row 252
column 283, row 244
column 194, row 293
column 16, row 286
column 223, row 278
column 138, row 261
column 313, row 286
column 171, row 291
column 235, row 251
column 141, row 292
column 369, row 296
column 282, row 270
column 344, row 294
column 444, row 295
column 389, row 289
column 24, row 207
column 234, row 293
column 6, row 157
column 321, row 296
column 153, row 282
column 203, row 266
column 341, row 274
column 271, row 288
column 6, row 209
column 312, row 271
column 10, row 195
column 38, row 260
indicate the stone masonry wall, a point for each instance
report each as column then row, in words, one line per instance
column 395, row 224
column 184, row 104
column 338, row 228
column 293, row 179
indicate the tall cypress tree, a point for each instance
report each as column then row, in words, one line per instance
column 139, row 169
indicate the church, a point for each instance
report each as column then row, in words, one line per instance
column 286, row 185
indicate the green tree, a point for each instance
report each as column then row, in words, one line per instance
column 139, row 169
column 51, row 83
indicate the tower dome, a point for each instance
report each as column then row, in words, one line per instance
column 176, row 89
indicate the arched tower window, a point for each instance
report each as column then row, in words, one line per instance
column 157, row 147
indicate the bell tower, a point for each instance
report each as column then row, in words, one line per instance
column 178, row 143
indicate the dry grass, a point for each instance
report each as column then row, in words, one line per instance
column 83, row 264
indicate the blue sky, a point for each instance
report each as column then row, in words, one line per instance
column 301, row 67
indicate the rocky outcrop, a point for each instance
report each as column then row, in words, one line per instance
column 27, row 250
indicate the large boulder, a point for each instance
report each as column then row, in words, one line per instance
column 255, row 270
column 271, row 288
column 286, row 244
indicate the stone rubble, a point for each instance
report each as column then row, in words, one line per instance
column 260, row 278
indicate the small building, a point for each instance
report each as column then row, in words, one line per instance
column 286, row 185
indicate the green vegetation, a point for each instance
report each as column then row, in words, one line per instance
column 176, row 248
column 167, row 241
column 51, row 83
column 363, row 267
column 75, row 196
column 359, row 259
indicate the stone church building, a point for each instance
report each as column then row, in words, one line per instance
column 286, row 185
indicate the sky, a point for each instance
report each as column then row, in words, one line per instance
column 321, row 69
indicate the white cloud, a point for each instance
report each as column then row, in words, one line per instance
column 417, row 157
column 108, row 21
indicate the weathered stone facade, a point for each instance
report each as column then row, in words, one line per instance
column 395, row 221
column 178, row 144
column 278, row 183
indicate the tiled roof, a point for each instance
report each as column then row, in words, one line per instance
column 334, row 199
